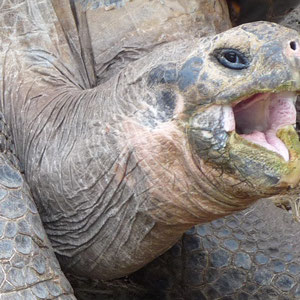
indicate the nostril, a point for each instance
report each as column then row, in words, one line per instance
column 293, row 45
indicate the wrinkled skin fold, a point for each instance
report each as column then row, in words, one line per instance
column 120, row 166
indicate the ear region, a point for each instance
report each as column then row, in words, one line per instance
column 189, row 73
column 163, row 74
column 164, row 82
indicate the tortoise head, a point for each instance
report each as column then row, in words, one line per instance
column 245, row 127
column 230, row 101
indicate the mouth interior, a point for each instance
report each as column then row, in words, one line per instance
column 258, row 118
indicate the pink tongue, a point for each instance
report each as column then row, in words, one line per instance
column 281, row 112
column 269, row 140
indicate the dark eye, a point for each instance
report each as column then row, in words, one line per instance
column 232, row 59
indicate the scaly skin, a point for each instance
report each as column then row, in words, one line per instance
column 250, row 255
column 120, row 170
column 133, row 186
column 95, row 195
column 28, row 267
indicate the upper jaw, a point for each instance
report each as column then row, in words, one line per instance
column 258, row 118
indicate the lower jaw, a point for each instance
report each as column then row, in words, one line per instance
column 269, row 165
column 290, row 137
column 270, row 141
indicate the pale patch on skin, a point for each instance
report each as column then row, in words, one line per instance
column 228, row 119
column 179, row 106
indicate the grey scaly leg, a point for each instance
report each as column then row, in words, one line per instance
column 28, row 267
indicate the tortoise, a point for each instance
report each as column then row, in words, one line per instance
column 129, row 122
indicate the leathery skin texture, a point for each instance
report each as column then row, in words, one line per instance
column 29, row 269
column 250, row 255
column 121, row 164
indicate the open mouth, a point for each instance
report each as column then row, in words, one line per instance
column 258, row 118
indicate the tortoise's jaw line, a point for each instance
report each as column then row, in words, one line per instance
column 258, row 118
